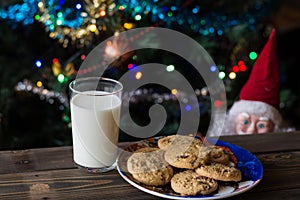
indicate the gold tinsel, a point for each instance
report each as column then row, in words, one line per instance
column 94, row 14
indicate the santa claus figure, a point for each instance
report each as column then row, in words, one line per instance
column 256, row 111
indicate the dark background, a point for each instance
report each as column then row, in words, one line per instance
column 30, row 120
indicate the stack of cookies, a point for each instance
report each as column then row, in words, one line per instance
column 186, row 163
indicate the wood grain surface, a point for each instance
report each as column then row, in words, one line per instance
column 49, row 173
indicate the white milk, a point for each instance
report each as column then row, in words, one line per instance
column 94, row 129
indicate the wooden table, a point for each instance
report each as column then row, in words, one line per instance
column 49, row 173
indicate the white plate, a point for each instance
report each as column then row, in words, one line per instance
column 250, row 166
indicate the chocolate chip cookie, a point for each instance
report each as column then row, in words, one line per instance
column 148, row 166
column 220, row 172
column 187, row 156
column 190, row 183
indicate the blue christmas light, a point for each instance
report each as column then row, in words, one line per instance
column 38, row 63
column 210, row 24
column 196, row 9
column 173, row 8
column 164, row 8
column 213, row 68
column 161, row 16
column 180, row 21
column 148, row 8
column 188, row 107
column 78, row 6
column 20, row 13
column 220, row 32
column 154, row 11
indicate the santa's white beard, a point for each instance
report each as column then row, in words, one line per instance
column 240, row 132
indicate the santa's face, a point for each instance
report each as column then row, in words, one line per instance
column 252, row 124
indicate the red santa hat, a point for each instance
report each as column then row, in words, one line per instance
column 260, row 94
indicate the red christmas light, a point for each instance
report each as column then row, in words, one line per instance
column 243, row 68
column 235, row 68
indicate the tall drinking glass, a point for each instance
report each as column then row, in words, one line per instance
column 95, row 114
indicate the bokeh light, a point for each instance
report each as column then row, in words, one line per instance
column 138, row 75
column 130, row 66
column 232, row 75
column 78, row 6
column 170, row 68
column 243, row 68
column 93, row 28
column 188, row 107
column 138, row 17
column 235, row 68
column 55, row 60
column 39, row 84
column 38, row 63
column 222, row 75
column 102, row 13
column 213, row 68
column 218, row 103
column 128, row 25
column 60, row 78
column 252, row 55
column 174, row 91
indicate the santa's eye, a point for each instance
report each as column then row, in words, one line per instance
column 261, row 126
column 246, row 122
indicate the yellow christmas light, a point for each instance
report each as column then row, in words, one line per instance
column 93, row 28
column 128, row 25
column 40, row 4
column 138, row 75
column 232, row 75
column 39, row 84
column 174, row 91
column 92, row 13
column 102, row 13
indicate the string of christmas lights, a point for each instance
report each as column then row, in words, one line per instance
column 133, row 97
column 20, row 13
column 79, row 22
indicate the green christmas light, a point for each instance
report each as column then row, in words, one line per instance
column 52, row 27
column 202, row 21
column 221, row 67
column 59, row 21
column 37, row 17
column 222, row 75
column 252, row 55
column 60, row 78
column 59, row 14
column 170, row 68
column 66, row 118
column 138, row 17
column 137, row 9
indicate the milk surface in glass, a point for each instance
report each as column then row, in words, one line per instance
column 95, row 130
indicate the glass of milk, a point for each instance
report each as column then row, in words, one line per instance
column 95, row 114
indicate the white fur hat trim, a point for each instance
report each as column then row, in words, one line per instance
column 256, row 108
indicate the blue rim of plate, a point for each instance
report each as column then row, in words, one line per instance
column 250, row 166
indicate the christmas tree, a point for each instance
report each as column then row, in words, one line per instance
column 43, row 44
